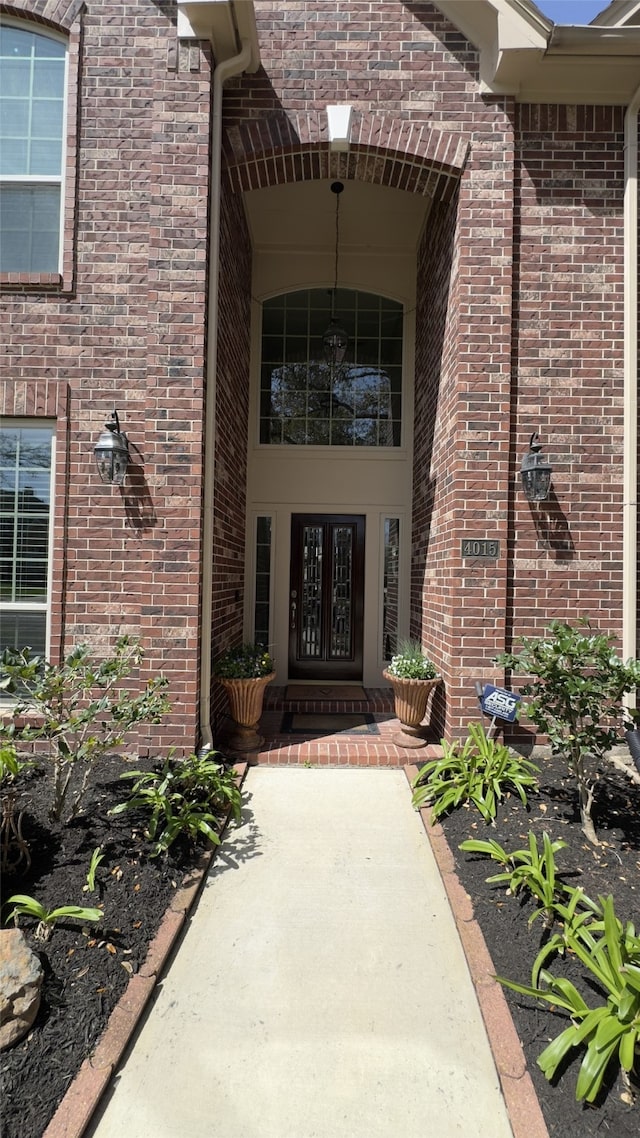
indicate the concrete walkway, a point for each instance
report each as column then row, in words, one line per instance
column 320, row 990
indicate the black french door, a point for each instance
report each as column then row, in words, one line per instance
column 326, row 596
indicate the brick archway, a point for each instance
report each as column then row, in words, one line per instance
column 385, row 151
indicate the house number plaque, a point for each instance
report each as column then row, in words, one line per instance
column 480, row 547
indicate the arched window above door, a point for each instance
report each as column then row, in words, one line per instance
column 304, row 401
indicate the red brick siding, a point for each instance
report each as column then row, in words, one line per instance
column 436, row 362
column 567, row 553
column 232, row 424
column 63, row 15
column 131, row 335
column 519, row 325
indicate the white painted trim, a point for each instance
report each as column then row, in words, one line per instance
column 630, row 428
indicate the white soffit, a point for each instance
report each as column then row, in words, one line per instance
column 618, row 14
column 521, row 53
column 300, row 218
column 226, row 24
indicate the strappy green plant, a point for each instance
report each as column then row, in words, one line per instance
column 530, row 869
column 481, row 772
column 96, row 857
column 47, row 918
column 186, row 796
column 609, row 1032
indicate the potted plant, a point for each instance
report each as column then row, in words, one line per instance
column 413, row 676
column 244, row 673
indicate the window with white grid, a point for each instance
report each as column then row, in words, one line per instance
column 32, row 118
column 305, row 401
column 26, row 465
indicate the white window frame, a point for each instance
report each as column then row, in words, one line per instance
column 39, row 606
column 28, row 180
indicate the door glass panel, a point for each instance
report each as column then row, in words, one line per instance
column 311, row 616
column 390, row 587
column 341, row 593
column 263, row 581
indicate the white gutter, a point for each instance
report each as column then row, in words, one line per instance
column 225, row 70
column 630, row 459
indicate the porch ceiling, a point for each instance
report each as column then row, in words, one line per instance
column 301, row 217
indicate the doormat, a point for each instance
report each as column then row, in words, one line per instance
column 314, row 723
column 330, row 692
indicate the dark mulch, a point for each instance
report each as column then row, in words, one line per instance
column 612, row 868
column 86, row 968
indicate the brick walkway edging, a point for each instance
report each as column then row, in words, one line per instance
column 523, row 1107
column 76, row 1109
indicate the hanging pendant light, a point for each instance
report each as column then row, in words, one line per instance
column 335, row 339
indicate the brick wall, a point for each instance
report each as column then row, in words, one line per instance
column 232, row 420
column 436, row 364
column 129, row 334
column 568, row 362
column 519, row 325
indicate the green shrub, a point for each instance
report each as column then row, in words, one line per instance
column 80, row 708
column 576, row 691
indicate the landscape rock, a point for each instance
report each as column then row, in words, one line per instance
column 21, row 977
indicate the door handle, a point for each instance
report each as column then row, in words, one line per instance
column 293, row 613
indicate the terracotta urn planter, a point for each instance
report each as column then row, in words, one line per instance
column 410, row 699
column 246, row 698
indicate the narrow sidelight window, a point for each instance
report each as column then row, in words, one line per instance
column 390, row 590
column 262, row 610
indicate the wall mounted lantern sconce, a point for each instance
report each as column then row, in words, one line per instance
column 535, row 472
column 335, row 339
column 112, row 452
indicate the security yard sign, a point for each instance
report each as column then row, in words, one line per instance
column 500, row 703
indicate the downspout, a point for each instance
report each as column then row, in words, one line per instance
column 225, row 70
column 630, row 457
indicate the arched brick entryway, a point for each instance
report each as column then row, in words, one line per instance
column 383, row 150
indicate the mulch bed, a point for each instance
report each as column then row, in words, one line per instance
column 612, row 868
column 86, row 968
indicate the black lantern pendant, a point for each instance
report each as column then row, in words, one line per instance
column 112, row 452
column 335, row 339
column 535, row 472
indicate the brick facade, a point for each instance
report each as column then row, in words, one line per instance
column 519, row 325
column 129, row 334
